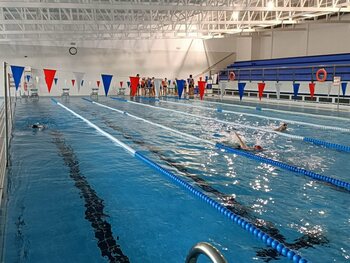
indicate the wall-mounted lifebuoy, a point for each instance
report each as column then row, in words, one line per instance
column 232, row 76
column 321, row 75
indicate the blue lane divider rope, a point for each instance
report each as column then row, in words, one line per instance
column 217, row 145
column 120, row 99
column 325, row 144
column 313, row 175
column 260, row 108
column 242, row 222
column 329, row 145
column 324, row 127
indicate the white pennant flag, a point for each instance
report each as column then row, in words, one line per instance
column 330, row 85
column 79, row 77
column 278, row 90
column 157, row 83
column 222, row 85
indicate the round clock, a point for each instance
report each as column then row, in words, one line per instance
column 73, row 51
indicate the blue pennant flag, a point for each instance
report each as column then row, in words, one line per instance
column 55, row 79
column 296, row 89
column 343, row 87
column 128, row 84
column 106, row 79
column 241, row 86
column 17, row 73
column 206, row 78
column 28, row 78
column 180, row 86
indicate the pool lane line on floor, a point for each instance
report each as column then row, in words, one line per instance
column 243, row 223
column 252, row 156
column 323, row 127
column 260, row 108
column 329, row 145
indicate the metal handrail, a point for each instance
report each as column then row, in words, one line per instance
column 206, row 249
column 289, row 67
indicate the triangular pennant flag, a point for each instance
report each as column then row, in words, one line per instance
column 106, row 79
column 98, row 83
column 73, row 82
column 180, row 86
column 121, row 84
column 312, row 89
column 55, row 79
column 157, row 83
column 278, row 90
column 79, row 77
column 49, row 76
column 241, row 86
column 261, row 87
column 222, row 85
column 201, row 87
column 28, row 78
column 296, row 89
column 134, row 83
column 128, row 84
column 17, row 73
column 82, row 83
column 343, row 87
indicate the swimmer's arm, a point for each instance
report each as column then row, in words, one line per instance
column 241, row 142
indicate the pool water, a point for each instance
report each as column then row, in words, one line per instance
column 76, row 197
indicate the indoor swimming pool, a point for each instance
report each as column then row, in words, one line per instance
column 77, row 196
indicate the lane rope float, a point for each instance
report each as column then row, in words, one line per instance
column 317, row 142
column 246, row 154
column 288, row 167
column 324, row 127
column 242, row 222
column 259, row 108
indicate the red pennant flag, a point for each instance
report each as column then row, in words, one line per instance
column 73, row 82
column 134, row 82
column 121, row 84
column 201, row 87
column 49, row 76
column 98, row 83
column 261, row 87
column 312, row 89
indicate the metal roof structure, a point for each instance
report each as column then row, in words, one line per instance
column 50, row 20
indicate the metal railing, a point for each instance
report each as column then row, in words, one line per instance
column 206, row 249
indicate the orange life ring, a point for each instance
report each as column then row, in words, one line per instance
column 232, row 76
column 323, row 72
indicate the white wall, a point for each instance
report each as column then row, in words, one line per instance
column 161, row 58
column 305, row 40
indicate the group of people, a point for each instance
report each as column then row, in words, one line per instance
column 147, row 87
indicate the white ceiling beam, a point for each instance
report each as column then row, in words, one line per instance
column 172, row 7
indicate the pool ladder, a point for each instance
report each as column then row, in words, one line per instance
column 206, row 249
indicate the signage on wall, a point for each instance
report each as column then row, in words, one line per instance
column 336, row 81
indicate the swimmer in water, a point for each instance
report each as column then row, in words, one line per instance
column 242, row 145
column 282, row 128
column 38, row 126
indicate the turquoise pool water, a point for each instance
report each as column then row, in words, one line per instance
column 76, row 197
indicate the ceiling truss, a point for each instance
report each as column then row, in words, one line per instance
column 150, row 19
